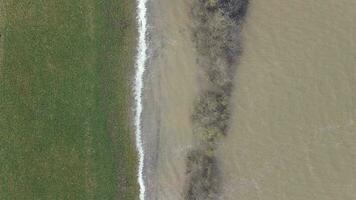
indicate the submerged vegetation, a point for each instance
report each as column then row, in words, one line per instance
column 216, row 32
column 64, row 99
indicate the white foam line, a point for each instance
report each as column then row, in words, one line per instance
column 140, row 69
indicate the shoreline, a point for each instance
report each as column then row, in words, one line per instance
column 141, row 59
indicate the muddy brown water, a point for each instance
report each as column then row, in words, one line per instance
column 293, row 130
column 171, row 87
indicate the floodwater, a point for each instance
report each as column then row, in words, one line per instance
column 293, row 131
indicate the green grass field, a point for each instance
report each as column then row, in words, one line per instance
column 65, row 70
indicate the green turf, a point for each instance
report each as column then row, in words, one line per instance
column 64, row 100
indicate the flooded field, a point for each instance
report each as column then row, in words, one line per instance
column 293, row 130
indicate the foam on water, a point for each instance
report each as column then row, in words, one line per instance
column 138, row 88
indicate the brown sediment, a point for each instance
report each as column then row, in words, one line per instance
column 216, row 30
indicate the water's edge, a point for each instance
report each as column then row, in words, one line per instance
column 138, row 88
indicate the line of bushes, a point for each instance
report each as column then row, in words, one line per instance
column 217, row 36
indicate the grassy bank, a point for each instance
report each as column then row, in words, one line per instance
column 64, row 100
